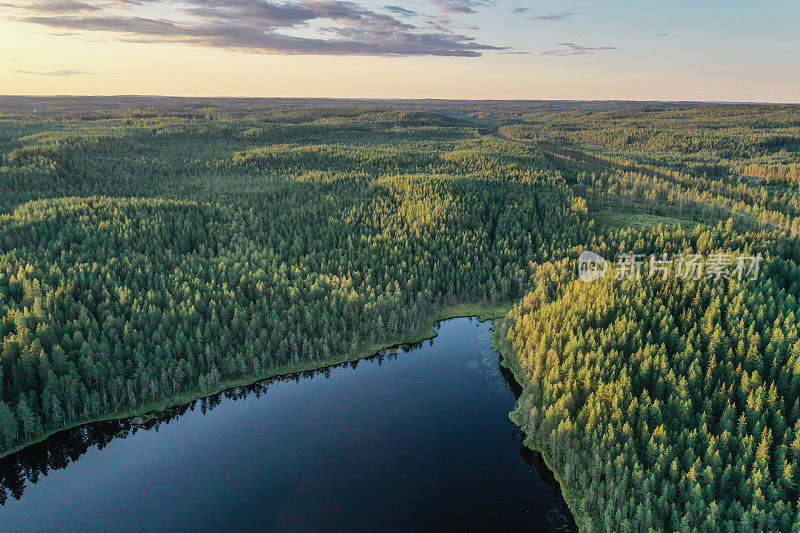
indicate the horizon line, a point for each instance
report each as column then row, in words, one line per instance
column 410, row 99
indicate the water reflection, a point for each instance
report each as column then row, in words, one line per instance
column 454, row 400
column 56, row 452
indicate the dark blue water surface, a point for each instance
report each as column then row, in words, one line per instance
column 418, row 441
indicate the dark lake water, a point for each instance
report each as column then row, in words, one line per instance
column 418, row 441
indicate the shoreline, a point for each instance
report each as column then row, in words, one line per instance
column 571, row 496
column 483, row 311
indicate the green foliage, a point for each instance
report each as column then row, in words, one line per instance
column 157, row 252
column 198, row 258
column 667, row 404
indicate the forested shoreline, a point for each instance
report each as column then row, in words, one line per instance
column 427, row 330
column 151, row 255
column 668, row 402
column 245, row 260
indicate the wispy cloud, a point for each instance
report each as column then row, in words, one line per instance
column 397, row 10
column 545, row 17
column 572, row 49
column 57, row 72
column 62, row 6
column 329, row 27
column 461, row 6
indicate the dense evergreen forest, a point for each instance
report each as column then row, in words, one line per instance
column 153, row 251
column 663, row 402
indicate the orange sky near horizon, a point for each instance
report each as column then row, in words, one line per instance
column 41, row 60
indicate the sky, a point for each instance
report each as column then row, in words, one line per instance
column 709, row 50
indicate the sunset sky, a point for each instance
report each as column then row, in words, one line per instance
column 730, row 50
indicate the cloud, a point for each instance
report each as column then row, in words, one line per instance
column 62, row 6
column 461, row 6
column 397, row 10
column 545, row 17
column 57, row 72
column 572, row 49
column 321, row 27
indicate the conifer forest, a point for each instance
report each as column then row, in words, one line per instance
column 156, row 250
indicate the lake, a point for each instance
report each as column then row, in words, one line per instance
column 419, row 440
